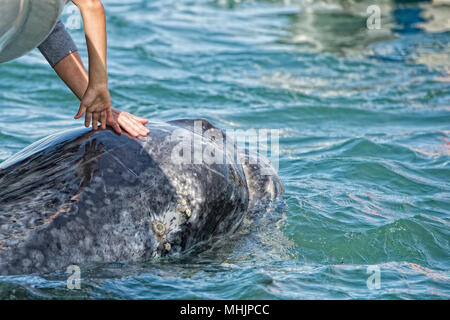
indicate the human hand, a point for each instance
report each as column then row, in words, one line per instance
column 96, row 104
column 132, row 124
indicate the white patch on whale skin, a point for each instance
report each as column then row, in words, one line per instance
column 26, row 262
column 37, row 257
column 270, row 189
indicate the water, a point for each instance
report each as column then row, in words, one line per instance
column 364, row 124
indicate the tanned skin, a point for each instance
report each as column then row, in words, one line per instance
column 72, row 72
column 92, row 89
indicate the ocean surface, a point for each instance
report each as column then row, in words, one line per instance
column 363, row 116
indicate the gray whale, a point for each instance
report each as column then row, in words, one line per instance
column 94, row 196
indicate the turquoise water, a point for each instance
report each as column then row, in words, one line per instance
column 364, row 123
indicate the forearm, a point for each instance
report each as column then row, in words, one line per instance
column 71, row 70
column 62, row 54
column 93, row 15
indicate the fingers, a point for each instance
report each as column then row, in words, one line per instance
column 141, row 120
column 138, row 123
column 103, row 118
column 109, row 116
column 130, row 127
column 86, row 102
column 81, row 111
column 87, row 120
column 135, row 126
column 145, row 131
column 116, row 128
column 112, row 122
column 94, row 121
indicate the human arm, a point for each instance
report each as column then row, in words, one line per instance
column 96, row 101
column 71, row 70
column 62, row 54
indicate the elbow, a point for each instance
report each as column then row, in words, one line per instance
column 91, row 5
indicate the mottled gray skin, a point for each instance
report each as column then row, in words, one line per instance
column 93, row 196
